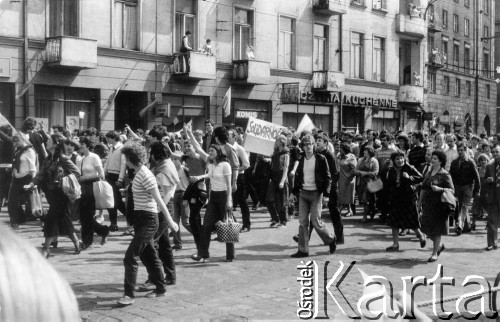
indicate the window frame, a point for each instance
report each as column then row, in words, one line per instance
column 138, row 25
column 468, row 88
column 456, row 25
column 361, row 58
column 326, row 39
column 456, row 54
column 383, row 59
column 458, row 84
column 467, row 3
column 486, row 7
column 466, row 27
column 251, row 25
column 383, row 4
column 446, row 85
column 488, row 91
column 293, row 54
column 444, row 18
column 467, row 60
column 50, row 20
column 431, row 81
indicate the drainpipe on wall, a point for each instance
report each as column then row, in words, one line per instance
column 25, row 57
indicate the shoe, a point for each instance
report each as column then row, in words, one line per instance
column 146, row 287
column 126, row 300
column 78, row 249
column 283, row 224
column 229, row 260
column 458, row 230
column 300, row 254
column 53, row 244
column 104, row 238
column 441, row 249
column 423, row 241
column 473, row 227
column 392, row 249
column 280, row 225
column 490, row 248
column 113, row 227
column 340, row 241
column 197, row 258
column 296, row 238
column 169, row 281
column 349, row 214
column 177, row 247
column 274, row 224
column 333, row 246
column 46, row 252
column 433, row 258
column 244, row 230
column 155, row 294
column 84, row 246
column 402, row 233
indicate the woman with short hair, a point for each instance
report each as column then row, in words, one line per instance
column 367, row 170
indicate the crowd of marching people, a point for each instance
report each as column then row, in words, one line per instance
column 423, row 182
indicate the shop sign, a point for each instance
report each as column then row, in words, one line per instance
column 261, row 135
column 290, row 93
column 334, row 98
column 246, row 114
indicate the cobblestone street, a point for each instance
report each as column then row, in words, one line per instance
column 262, row 282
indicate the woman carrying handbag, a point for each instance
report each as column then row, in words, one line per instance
column 220, row 199
column 367, row 170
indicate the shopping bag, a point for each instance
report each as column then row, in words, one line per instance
column 36, row 203
column 228, row 230
column 375, row 185
column 103, row 195
column 71, row 187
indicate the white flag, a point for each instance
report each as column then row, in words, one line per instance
column 111, row 99
column 147, row 108
column 226, row 103
column 305, row 125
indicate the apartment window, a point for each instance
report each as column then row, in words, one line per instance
column 468, row 88
column 487, row 91
column 380, row 4
column 457, row 86
column 431, row 81
column 185, row 20
column 466, row 27
column 467, row 3
column 125, row 24
column 63, row 18
column 486, row 7
column 320, row 47
column 486, row 62
column 456, row 54
column 445, row 19
column 243, row 32
column 357, row 57
column 445, row 49
column 446, row 85
column 286, row 52
column 378, row 59
column 467, row 58
column 430, row 44
column 486, row 31
column 455, row 23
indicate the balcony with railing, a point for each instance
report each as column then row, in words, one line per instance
column 328, row 81
column 251, row 72
column 329, row 7
column 410, row 25
column 71, row 52
column 194, row 65
column 437, row 60
column 411, row 94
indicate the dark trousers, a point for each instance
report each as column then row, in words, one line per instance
column 261, row 188
column 249, row 188
column 164, row 249
column 5, row 181
column 142, row 246
column 17, row 197
column 87, row 213
column 338, row 227
column 112, row 179
column 276, row 202
column 239, row 198
column 216, row 210
column 196, row 199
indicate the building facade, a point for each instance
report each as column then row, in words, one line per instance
column 348, row 64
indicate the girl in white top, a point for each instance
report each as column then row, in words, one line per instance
column 220, row 200
column 92, row 170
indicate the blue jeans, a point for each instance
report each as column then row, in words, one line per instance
column 142, row 246
column 310, row 203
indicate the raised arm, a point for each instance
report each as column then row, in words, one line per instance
column 195, row 143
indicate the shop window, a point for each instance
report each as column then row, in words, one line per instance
column 243, row 33
column 357, row 55
column 62, row 106
column 320, row 47
column 63, row 18
column 379, row 59
column 286, row 47
column 125, row 24
column 185, row 20
column 386, row 120
column 320, row 115
column 353, row 118
column 184, row 109
column 242, row 110
column 7, row 101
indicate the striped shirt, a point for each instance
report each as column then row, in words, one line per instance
column 144, row 180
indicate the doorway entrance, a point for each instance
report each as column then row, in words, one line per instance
column 127, row 107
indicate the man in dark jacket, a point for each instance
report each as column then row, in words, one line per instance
column 312, row 184
column 465, row 177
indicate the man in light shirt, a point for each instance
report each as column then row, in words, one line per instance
column 239, row 196
column 451, row 152
column 114, row 171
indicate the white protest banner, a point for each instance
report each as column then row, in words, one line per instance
column 261, row 135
